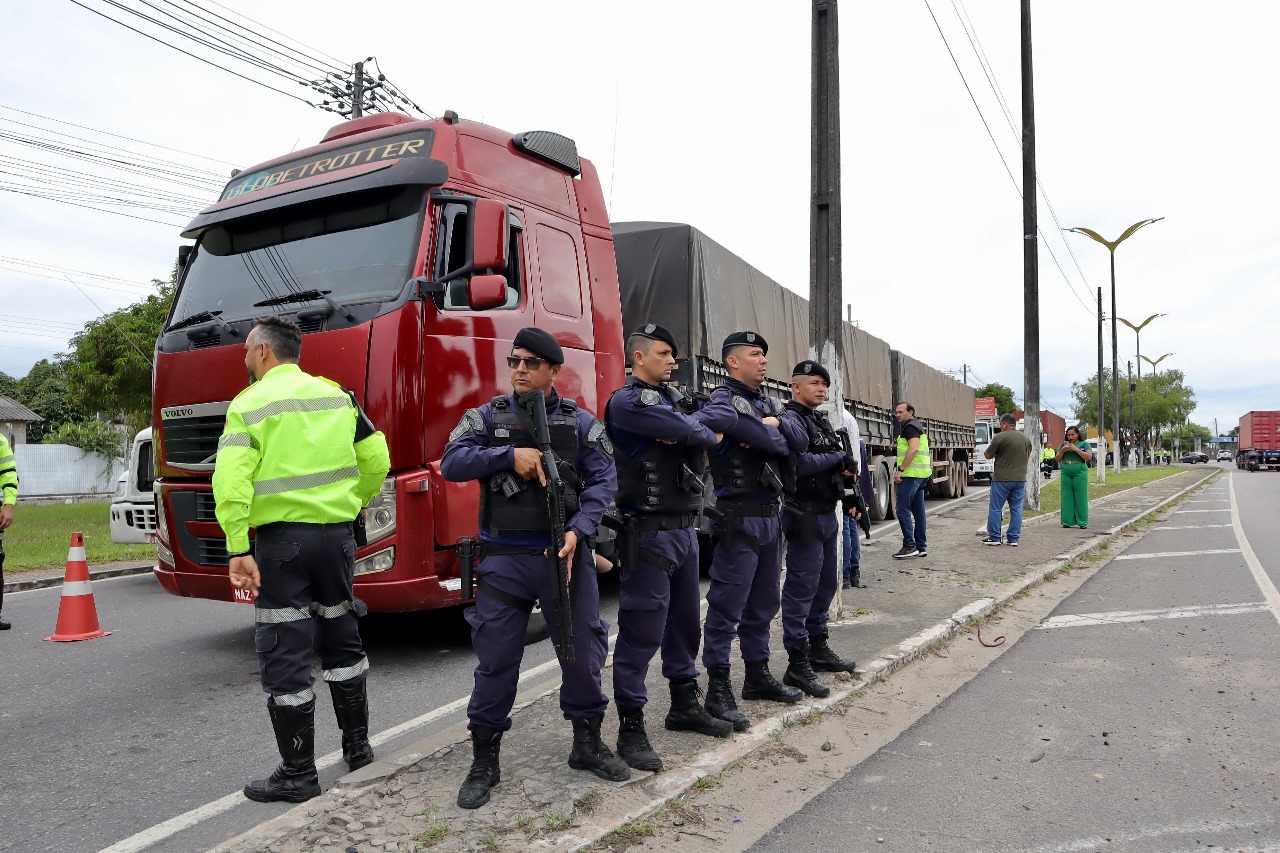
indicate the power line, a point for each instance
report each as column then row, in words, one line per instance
column 1000, row 153
column 277, row 32
column 78, row 273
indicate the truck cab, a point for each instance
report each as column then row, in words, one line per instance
column 133, row 507
column 410, row 253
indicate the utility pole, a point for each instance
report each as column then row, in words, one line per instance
column 1030, row 270
column 357, row 92
column 1101, row 464
column 825, row 288
column 1132, row 388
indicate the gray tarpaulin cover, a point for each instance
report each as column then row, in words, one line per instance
column 676, row 276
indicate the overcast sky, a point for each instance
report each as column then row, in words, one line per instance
column 698, row 112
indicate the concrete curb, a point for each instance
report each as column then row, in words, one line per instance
column 675, row 782
column 94, row 574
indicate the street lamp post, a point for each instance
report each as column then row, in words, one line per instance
column 1155, row 370
column 1115, row 353
column 1137, row 336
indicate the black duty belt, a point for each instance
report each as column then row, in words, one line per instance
column 646, row 523
column 744, row 508
column 498, row 549
column 812, row 507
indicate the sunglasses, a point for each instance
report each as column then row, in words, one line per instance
column 532, row 362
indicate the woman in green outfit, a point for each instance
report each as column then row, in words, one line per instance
column 1073, row 459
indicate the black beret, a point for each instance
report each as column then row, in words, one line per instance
column 538, row 342
column 744, row 339
column 656, row 333
column 809, row 367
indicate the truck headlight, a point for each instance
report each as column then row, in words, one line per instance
column 122, row 486
column 380, row 514
column 162, row 519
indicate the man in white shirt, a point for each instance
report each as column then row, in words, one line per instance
column 852, row 535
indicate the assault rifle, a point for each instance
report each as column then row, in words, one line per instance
column 532, row 411
column 853, row 497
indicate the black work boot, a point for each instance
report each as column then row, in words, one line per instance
column 633, row 741
column 351, row 707
column 687, row 713
column 590, row 753
column 484, row 772
column 720, row 701
column 824, row 658
column 295, row 780
column 760, row 684
column 800, row 673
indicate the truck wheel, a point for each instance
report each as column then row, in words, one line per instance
column 882, row 502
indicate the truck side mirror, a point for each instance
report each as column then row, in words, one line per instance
column 490, row 232
column 184, row 252
column 485, row 292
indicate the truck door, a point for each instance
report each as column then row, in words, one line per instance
column 563, row 305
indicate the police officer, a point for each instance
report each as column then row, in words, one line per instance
column 490, row 444
column 661, row 462
column 750, row 468
column 810, row 527
column 8, row 499
column 298, row 460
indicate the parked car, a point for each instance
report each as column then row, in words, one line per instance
column 1194, row 457
column 1224, row 455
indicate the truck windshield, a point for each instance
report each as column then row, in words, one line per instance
column 355, row 248
column 981, row 434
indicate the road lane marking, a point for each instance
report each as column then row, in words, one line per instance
column 1268, row 588
column 1117, row 617
column 1184, row 511
column 1177, row 554
column 1213, row 501
column 1192, row 527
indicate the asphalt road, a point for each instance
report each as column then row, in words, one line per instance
column 108, row 742
column 1140, row 716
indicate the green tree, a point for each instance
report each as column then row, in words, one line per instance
column 1002, row 393
column 44, row 391
column 1160, row 399
column 8, row 386
column 109, row 367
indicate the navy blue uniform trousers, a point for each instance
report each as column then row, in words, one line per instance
column 811, row 580
column 743, row 598
column 657, row 610
column 498, row 630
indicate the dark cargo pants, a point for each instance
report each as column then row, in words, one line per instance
column 743, row 598
column 811, row 580
column 305, row 604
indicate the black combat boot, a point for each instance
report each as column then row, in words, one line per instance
column 688, row 715
column 633, row 741
column 720, row 702
column 824, row 658
column 295, row 780
column 484, row 772
column 760, row 684
column 590, row 753
column 351, row 707
column 800, row 673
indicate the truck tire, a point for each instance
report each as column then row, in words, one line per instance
column 882, row 501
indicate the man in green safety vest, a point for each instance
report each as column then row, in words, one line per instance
column 299, row 460
column 911, row 476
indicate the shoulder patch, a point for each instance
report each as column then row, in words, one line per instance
column 598, row 436
column 471, row 422
column 741, row 406
column 649, row 397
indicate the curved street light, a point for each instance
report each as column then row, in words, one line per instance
column 1156, row 363
column 1137, row 336
column 1115, row 354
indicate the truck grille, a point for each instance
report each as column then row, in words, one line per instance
column 204, row 507
column 191, row 433
column 213, row 552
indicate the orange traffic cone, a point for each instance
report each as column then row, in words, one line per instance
column 77, row 614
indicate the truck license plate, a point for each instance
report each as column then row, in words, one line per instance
column 244, row 596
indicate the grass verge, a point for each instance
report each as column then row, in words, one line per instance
column 39, row 536
column 1051, row 497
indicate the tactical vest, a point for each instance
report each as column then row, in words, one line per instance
column 824, row 486
column 665, row 478
column 508, row 502
column 743, row 472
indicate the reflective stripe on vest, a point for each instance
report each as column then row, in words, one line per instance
column 920, row 465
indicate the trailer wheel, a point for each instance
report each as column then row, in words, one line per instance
column 964, row 479
column 881, row 504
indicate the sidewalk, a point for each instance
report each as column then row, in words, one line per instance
column 406, row 802
column 16, row 580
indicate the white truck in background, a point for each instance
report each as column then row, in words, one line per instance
column 133, row 508
column 986, row 423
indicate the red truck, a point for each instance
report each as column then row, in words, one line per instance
column 1259, row 440
column 410, row 252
